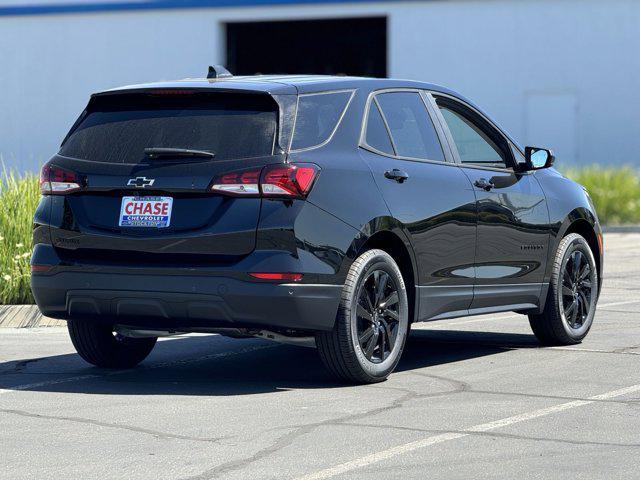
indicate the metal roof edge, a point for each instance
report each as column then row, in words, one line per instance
column 105, row 7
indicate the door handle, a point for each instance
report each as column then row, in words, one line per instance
column 484, row 184
column 397, row 175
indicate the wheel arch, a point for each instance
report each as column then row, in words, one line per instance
column 392, row 240
column 586, row 225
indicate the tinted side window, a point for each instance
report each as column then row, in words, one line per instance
column 411, row 128
column 474, row 145
column 377, row 135
column 317, row 117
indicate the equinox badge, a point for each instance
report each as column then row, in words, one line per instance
column 140, row 182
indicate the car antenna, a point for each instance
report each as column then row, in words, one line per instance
column 218, row 71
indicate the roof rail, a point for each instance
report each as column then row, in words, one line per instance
column 218, row 71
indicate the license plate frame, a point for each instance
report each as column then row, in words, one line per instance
column 145, row 212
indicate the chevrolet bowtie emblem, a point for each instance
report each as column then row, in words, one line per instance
column 140, row 182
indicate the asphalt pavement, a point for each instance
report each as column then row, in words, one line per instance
column 473, row 398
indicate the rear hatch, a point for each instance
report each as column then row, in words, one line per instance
column 145, row 162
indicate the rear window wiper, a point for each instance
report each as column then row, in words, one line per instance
column 161, row 152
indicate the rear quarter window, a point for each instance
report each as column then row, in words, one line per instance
column 317, row 117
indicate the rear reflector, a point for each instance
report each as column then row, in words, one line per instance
column 57, row 181
column 35, row 268
column 282, row 180
column 289, row 277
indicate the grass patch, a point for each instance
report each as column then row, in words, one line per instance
column 614, row 191
column 19, row 196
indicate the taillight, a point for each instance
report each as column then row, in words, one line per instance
column 58, row 181
column 243, row 182
column 288, row 180
column 292, row 180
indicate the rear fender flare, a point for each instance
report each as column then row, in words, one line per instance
column 373, row 227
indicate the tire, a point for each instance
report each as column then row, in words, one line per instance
column 559, row 324
column 341, row 350
column 98, row 345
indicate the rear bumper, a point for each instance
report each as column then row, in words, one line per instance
column 187, row 302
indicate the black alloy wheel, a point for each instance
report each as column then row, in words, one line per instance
column 372, row 322
column 572, row 294
column 377, row 316
column 577, row 289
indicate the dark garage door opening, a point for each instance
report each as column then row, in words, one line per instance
column 348, row 46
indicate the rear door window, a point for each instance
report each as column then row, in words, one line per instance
column 318, row 117
column 412, row 130
column 377, row 135
column 118, row 128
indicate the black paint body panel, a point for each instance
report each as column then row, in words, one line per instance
column 470, row 251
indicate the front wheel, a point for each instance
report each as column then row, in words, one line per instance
column 372, row 322
column 100, row 346
column 572, row 296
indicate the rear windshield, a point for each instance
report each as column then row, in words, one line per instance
column 118, row 128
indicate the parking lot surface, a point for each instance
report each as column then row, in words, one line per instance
column 474, row 397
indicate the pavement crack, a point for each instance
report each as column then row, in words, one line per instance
column 518, row 347
column 458, row 385
column 627, row 349
column 498, row 435
column 619, row 310
column 552, row 397
column 118, row 426
column 220, row 471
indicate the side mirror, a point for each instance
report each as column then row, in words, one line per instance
column 538, row 158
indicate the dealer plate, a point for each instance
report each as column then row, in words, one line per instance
column 148, row 212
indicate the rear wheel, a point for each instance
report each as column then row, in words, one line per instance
column 573, row 293
column 372, row 322
column 100, row 346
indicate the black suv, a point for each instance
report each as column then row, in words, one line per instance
column 323, row 211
